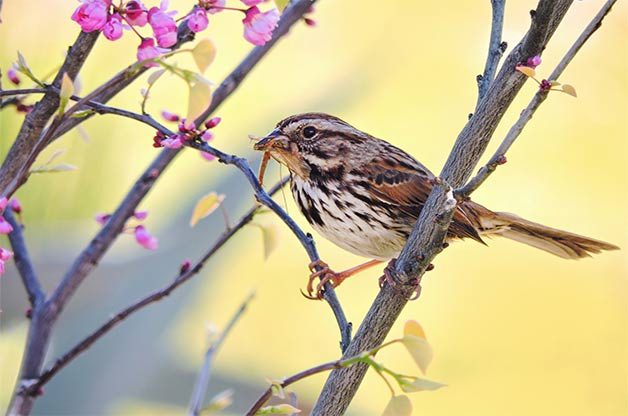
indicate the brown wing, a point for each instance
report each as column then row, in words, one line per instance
column 399, row 179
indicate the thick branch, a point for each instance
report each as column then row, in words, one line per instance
column 498, row 157
column 15, row 164
column 23, row 262
column 427, row 237
column 200, row 388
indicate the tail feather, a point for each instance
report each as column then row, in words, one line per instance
column 558, row 242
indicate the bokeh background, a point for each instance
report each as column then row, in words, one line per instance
column 515, row 331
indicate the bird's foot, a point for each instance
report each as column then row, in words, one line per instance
column 389, row 278
column 325, row 274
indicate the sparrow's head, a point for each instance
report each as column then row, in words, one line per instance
column 313, row 142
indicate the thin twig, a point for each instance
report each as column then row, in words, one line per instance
column 157, row 295
column 200, row 387
column 496, row 49
column 499, row 157
column 23, row 262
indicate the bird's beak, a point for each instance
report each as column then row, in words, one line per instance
column 273, row 139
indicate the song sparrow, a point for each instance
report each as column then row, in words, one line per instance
column 365, row 195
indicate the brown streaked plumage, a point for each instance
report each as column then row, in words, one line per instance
column 364, row 194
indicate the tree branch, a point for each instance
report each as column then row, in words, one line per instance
column 427, row 237
column 15, row 164
column 498, row 157
column 496, row 49
column 200, row 388
column 23, row 262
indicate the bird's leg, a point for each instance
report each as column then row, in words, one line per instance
column 388, row 277
column 328, row 275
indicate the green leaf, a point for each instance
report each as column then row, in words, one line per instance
column 205, row 206
column 526, row 70
column 219, row 402
column 281, row 409
column 200, row 98
column 154, row 76
column 63, row 167
column 419, row 349
column 418, row 384
column 398, row 406
column 569, row 89
column 281, row 4
column 65, row 92
column 204, row 53
column 23, row 67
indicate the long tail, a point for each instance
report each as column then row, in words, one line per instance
column 558, row 242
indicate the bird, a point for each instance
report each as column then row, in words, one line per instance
column 364, row 195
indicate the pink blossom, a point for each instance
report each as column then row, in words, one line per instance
column 5, row 227
column 91, row 15
column 4, row 201
column 198, row 21
column 164, row 26
column 1, row 267
column 309, row 22
column 113, row 28
column 534, row 61
column 5, row 254
column 258, row 26
column 136, row 13
column 140, row 215
column 15, row 205
column 102, row 218
column 213, row 122
column 185, row 266
column 207, row 156
column 174, row 142
column 145, row 239
column 251, row 2
column 214, row 6
column 207, row 136
column 168, row 116
column 148, row 50
column 13, row 76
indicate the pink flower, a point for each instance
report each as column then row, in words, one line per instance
column 198, row 20
column 13, row 76
column 1, row 267
column 5, row 227
column 102, row 218
column 251, row 2
column 136, row 13
column 212, row 122
column 15, row 205
column 214, row 6
column 140, row 215
column 92, row 14
column 258, row 26
column 534, row 61
column 145, row 239
column 168, row 116
column 164, row 26
column 148, row 50
column 3, row 203
column 174, row 142
column 207, row 136
column 207, row 156
column 113, row 28
column 5, row 254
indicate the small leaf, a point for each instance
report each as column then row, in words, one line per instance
column 204, row 53
column 526, row 70
column 53, row 156
column 276, row 388
column 205, row 206
column 21, row 61
column 554, row 83
column 199, row 99
column 82, row 113
column 219, row 402
column 420, row 350
column 418, row 384
column 281, row 409
column 63, row 167
column 270, row 239
column 154, row 76
column 398, row 406
column 281, row 4
column 414, row 328
column 65, row 92
column 568, row 89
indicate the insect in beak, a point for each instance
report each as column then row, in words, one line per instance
column 266, row 143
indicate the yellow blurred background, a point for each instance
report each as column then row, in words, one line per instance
column 515, row 331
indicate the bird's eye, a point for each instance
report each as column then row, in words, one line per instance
column 309, row 132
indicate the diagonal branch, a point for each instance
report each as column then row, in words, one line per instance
column 156, row 296
column 499, row 157
column 200, row 388
column 496, row 49
column 427, row 237
column 23, row 262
